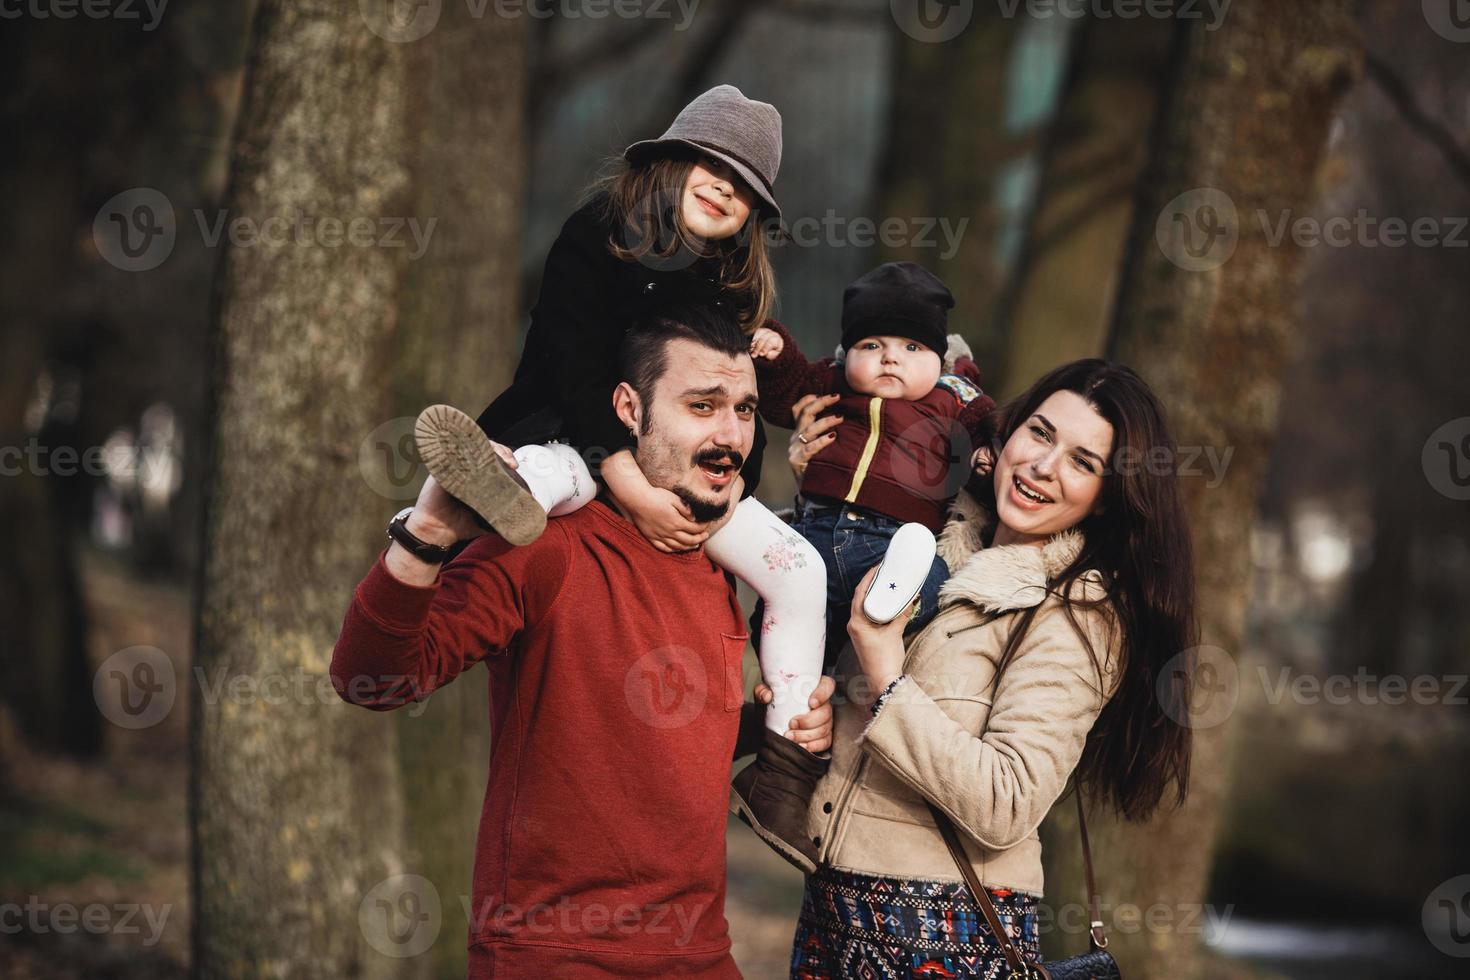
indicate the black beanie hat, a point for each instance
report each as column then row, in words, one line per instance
column 897, row 299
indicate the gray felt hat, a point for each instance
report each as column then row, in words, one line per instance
column 725, row 124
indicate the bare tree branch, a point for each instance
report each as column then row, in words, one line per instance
column 830, row 11
column 553, row 76
column 1397, row 90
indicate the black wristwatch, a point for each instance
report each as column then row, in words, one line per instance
column 432, row 554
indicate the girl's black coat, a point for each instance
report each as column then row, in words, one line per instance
column 563, row 386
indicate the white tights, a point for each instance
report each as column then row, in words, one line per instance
column 757, row 547
column 788, row 573
column 558, row 477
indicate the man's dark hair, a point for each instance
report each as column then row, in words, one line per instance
column 645, row 346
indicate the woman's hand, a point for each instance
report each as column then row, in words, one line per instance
column 766, row 343
column 811, row 435
column 813, row 730
column 880, row 650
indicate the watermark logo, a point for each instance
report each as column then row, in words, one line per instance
column 401, row 915
column 1199, row 229
column 1446, row 917
column 1185, row 918
column 123, row 919
column 1450, row 19
column 135, row 688
column 932, row 21
column 408, row 20
column 1212, row 681
column 400, row 20
column 90, row 9
column 667, row 687
column 1363, row 230
column 833, row 230
column 135, row 230
column 1446, row 459
column 569, row 920
column 388, row 460
column 1214, row 10
column 1363, row 687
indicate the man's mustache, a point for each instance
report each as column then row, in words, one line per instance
column 735, row 459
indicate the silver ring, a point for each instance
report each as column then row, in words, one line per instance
column 802, row 438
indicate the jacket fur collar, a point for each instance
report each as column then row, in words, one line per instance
column 998, row 579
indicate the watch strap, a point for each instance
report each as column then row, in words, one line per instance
column 432, row 554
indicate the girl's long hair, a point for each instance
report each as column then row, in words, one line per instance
column 1139, row 540
column 643, row 206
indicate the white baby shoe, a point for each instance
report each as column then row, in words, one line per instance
column 905, row 566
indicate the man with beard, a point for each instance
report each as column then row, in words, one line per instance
column 615, row 684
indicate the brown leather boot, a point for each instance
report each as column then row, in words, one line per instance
column 772, row 794
column 459, row 455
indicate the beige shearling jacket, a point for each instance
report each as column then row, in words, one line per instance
column 994, row 761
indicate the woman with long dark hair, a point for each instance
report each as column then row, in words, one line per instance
column 1072, row 588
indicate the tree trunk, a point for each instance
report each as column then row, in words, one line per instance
column 1209, row 329
column 302, row 804
column 946, row 146
column 44, row 672
column 462, row 309
column 1058, row 304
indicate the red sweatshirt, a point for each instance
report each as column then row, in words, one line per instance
column 614, row 704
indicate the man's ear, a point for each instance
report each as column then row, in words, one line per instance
column 628, row 406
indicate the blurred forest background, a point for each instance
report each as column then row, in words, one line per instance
column 203, row 433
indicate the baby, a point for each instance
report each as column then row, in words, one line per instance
column 905, row 446
column 906, row 442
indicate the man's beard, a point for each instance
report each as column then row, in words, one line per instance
column 703, row 510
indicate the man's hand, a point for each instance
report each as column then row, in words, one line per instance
column 813, row 730
column 766, row 343
column 440, row 519
column 811, row 435
column 981, row 461
column 437, row 518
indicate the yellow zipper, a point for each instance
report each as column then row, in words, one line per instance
column 875, row 428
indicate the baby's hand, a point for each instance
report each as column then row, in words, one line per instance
column 982, row 461
column 766, row 343
column 666, row 521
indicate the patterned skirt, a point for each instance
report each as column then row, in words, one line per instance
column 879, row 928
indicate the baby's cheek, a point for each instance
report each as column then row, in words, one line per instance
column 930, row 370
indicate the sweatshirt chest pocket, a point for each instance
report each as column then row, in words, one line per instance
column 732, row 663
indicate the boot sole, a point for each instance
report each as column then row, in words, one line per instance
column 794, row 857
column 459, row 455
